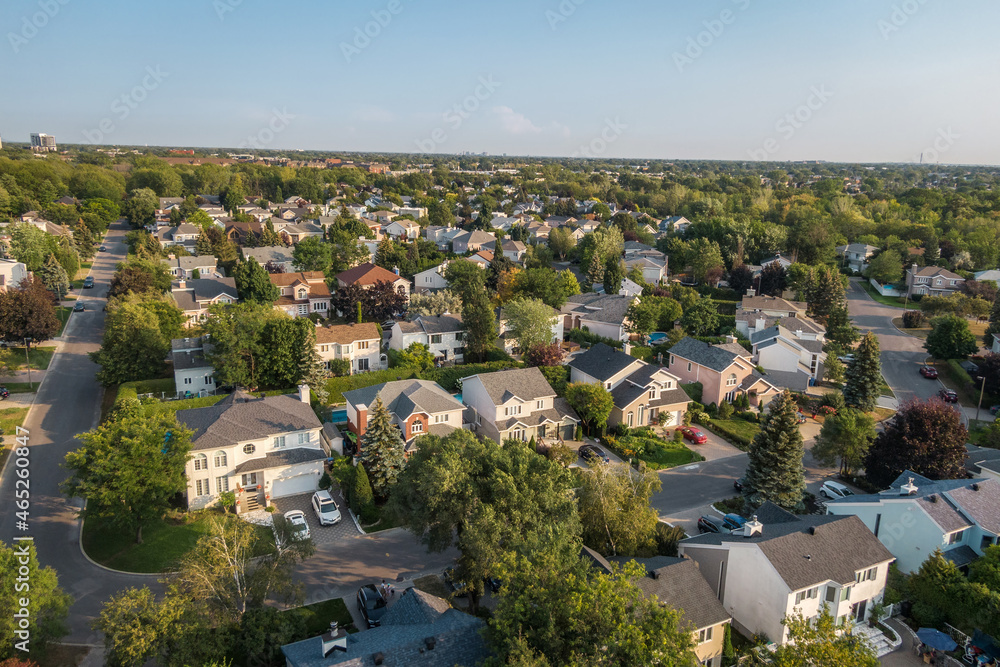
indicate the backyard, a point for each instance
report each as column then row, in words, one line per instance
column 895, row 301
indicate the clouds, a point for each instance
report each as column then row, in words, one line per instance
column 517, row 124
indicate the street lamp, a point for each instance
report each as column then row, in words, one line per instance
column 27, row 362
column 982, row 388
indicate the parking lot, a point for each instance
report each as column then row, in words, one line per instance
column 321, row 535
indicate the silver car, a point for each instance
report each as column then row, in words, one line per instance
column 298, row 528
column 326, row 508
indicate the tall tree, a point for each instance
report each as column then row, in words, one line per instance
column 134, row 346
column 46, row 605
column 254, row 283
column 477, row 312
column 994, row 327
column 839, row 328
column 529, row 322
column 312, row 254
column 701, row 319
column 54, row 277
column 845, row 436
column 773, row 279
column 864, row 376
column 950, row 338
column 613, row 274
column 140, row 208
column 825, row 292
column 614, row 509
column 926, row 437
column 741, row 279
column 774, row 471
column 592, row 402
column 382, row 449
column 27, row 313
column 312, row 371
column 561, row 241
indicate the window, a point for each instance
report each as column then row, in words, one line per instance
column 440, row 419
column 249, row 448
column 250, row 479
column 847, row 592
column 539, row 404
column 460, row 335
column 704, row 635
column 986, row 542
column 363, row 364
column 517, row 434
column 417, row 426
column 187, row 380
column 302, row 293
column 652, row 394
column 831, row 594
column 344, row 349
column 629, row 418
column 321, row 305
column 304, row 438
column 608, row 386
column 955, row 538
column 362, row 345
column 324, row 348
column 689, row 367
column 436, row 339
column 201, row 487
column 208, row 380
column 512, row 410
column 200, row 462
column 304, row 309
column 810, row 594
column 865, row 575
column 279, row 441
column 221, row 460
column 731, row 380
column 878, row 523
column 221, row 484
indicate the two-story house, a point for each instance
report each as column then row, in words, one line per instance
column 791, row 358
column 518, row 404
column 259, row 448
column 779, row 564
column 513, row 250
column 12, row 272
column 358, row 344
column 641, row 392
column 724, row 371
column 191, row 267
column 184, row 234
column 759, row 312
column 275, row 255
column 401, row 229
column 430, row 280
column 601, row 314
column 301, row 230
column 915, row 516
column 418, row 407
column 856, row 255
column 653, row 268
column 472, row 241
column 192, row 371
column 932, row 280
column 302, row 293
column 368, row 274
column 444, row 335
column 194, row 297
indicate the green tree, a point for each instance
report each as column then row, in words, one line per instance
column 254, row 283
column 592, row 402
column 135, row 626
column 701, row 319
column 825, row 292
column 234, row 195
column 417, row 355
column 362, row 500
column 256, row 346
column 382, row 449
column 614, row 272
column 833, row 369
column 845, row 436
column 773, row 279
column 864, row 376
column 269, row 237
column 54, row 277
column 839, row 328
column 774, row 471
column 614, row 509
column 140, row 208
column 561, row 241
column 312, row 254
column 950, row 338
column 47, row 606
column 129, row 469
column 529, row 322
column 887, row 267
column 311, row 369
column 479, row 320
column 822, row 642
column 994, row 326
column 30, row 245
column 435, row 303
column 706, row 258
column 134, row 347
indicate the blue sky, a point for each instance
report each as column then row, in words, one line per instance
column 873, row 80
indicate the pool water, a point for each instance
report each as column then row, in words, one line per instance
column 338, row 416
column 657, row 335
column 458, row 397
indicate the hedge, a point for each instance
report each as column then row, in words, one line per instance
column 157, row 387
column 584, row 337
column 449, row 377
column 725, row 307
column 337, row 386
column 719, row 293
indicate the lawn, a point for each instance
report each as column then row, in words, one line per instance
column 316, row 617
column 893, row 301
column 976, row 431
column 738, row 431
column 21, row 387
column 977, row 328
column 385, row 521
column 10, row 419
column 63, row 313
column 657, row 453
column 885, row 389
column 164, row 542
column 432, row 584
column 38, row 357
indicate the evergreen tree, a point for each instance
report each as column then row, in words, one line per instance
column 480, row 323
column 613, row 275
column 269, row 237
column 839, row 328
column 825, row 293
column 254, row 283
column 83, row 240
column 312, row 371
column 54, row 277
column 362, row 501
column 382, row 449
column 775, row 469
column 994, row 327
column 595, row 272
column 864, row 377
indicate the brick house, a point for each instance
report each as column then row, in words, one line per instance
column 724, row 371
column 417, row 407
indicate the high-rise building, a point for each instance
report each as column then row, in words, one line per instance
column 42, row 143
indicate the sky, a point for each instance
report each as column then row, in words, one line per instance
column 854, row 81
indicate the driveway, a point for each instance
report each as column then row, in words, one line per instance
column 321, row 535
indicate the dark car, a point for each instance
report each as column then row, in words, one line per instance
column 88, row 281
column 102, row 249
column 4, row 393
column 593, row 454
column 711, row 524
column 694, row 435
column 459, row 589
column 733, row 521
column 928, row 372
column 738, row 484
column 948, row 395
column 492, row 584
column 78, row 307
column 371, row 604
column 994, row 409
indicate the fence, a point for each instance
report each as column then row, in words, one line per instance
column 176, row 396
column 885, row 290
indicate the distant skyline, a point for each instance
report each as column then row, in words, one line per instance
column 875, row 81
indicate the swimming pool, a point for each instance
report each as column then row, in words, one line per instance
column 338, row 416
column 657, row 335
column 458, row 397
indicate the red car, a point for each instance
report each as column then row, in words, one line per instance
column 948, row 396
column 928, row 372
column 694, row 435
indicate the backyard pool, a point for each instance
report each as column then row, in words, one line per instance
column 657, row 336
column 338, row 416
column 458, row 397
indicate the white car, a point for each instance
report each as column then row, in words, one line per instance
column 326, row 508
column 834, row 490
column 298, row 529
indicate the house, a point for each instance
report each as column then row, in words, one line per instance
column 302, row 293
column 471, row 241
column 504, row 223
column 368, row 274
column 301, row 230
column 641, row 392
column 783, row 260
column 678, row 583
column 417, row 407
column 191, row 266
column 275, row 255
column 677, row 224
column 932, row 280
column 12, row 272
column 916, row 515
column 358, row 344
column 510, row 343
column 192, row 372
column 184, row 234
column 444, row 335
column 759, row 312
column 629, row 288
column 513, row 250
column 653, row 270
column 779, row 564
column 559, row 220
column 240, row 232
column 991, row 274
column 261, row 448
column 418, row 629
column 856, row 255
column 791, row 358
column 195, row 296
column 602, row 314
column 724, row 371
column 749, row 322
column 417, row 212
column 517, row 404
column 442, row 237
column 430, row 280
column 401, row 229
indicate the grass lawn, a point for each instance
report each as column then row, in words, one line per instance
column 977, row 328
column 881, row 414
column 734, row 505
column 432, row 584
column 657, row 453
column 22, row 387
column 738, row 431
column 163, row 542
column 976, row 431
column 316, row 617
column 886, row 390
column 63, row 313
column 386, row 521
column 10, row 419
column 39, row 357
column 894, row 301
column 76, row 283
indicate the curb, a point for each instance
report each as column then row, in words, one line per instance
column 355, row 520
column 110, row 569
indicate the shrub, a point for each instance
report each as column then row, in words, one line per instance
column 693, row 390
column 557, row 376
column 340, row 367
column 678, row 436
column 712, row 410
column 336, row 387
column 584, row 337
column 833, row 400
column 667, row 537
column 991, row 436
column 644, row 353
column 913, row 319
column 325, row 482
column 362, row 500
column 579, row 432
column 725, row 410
column 561, row 454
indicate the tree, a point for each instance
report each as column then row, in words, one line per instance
column 773, row 279
column 950, row 338
column 529, row 322
column 561, row 241
column 268, row 237
column 140, row 208
column 43, row 607
column 435, row 303
column 254, row 283
column 134, row 346
column 845, row 436
column 129, row 469
column 994, row 326
column 863, row 382
column 926, row 437
column 706, row 258
column 774, row 471
column 312, row 254
column 30, row 245
column 544, row 355
column 822, row 642
column 825, row 292
column 54, row 277
column 887, row 267
column 592, row 402
column 134, row 625
column 701, row 319
column 833, row 370
column 27, row 313
column 839, row 328
column 614, row 509
column 740, row 279
column 361, row 498
column 479, row 320
column 382, row 449
column 614, row 272
column 312, row 371
column 417, row 355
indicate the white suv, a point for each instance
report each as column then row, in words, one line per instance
column 326, row 508
column 834, row 490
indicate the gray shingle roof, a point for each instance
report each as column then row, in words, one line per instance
column 528, row 384
column 405, row 397
column 602, row 362
column 610, row 308
column 240, row 417
column 281, row 459
column 678, row 582
column 276, row 254
column 430, row 324
column 560, row 412
column 710, row 356
column 186, row 358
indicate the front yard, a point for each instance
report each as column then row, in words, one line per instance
column 10, row 419
column 316, row 617
column 739, row 432
column 643, row 444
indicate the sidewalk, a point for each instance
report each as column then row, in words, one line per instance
column 22, row 376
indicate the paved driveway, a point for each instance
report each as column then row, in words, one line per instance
column 321, row 535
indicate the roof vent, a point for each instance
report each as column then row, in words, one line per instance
column 378, row 658
column 932, row 499
column 809, row 557
column 430, row 643
column 753, row 527
column 653, row 574
column 975, row 486
column 908, row 489
column 812, row 531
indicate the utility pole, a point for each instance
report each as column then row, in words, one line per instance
column 27, row 362
column 982, row 388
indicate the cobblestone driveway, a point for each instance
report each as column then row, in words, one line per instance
column 321, row 535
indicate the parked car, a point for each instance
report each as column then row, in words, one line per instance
column 833, row 490
column 298, row 528
column 738, row 484
column 88, row 282
column 459, row 589
column 4, row 393
column 969, row 367
column 847, row 359
column 733, row 521
column 492, row 584
column 694, row 435
column 326, row 508
column 593, row 454
column 994, row 409
column 371, row 604
column 928, row 372
column 78, row 307
column 102, row 249
column 948, row 395
column 711, row 524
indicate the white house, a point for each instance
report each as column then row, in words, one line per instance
column 602, row 314
column 779, row 564
column 790, row 357
column 194, row 297
column 856, row 255
column 518, row 404
column 402, row 229
column 430, row 280
column 358, row 344
column 916, row 515
column 191, row 267
column 417, row 212
column 12, row 272
column 444, row 335
column 192, row 371
column 260, row 448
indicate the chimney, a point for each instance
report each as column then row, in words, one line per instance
column 730, row 338
column 334, row 640
column 908, row 489
column 751, row 292
column 304, row 393
column 395, row 270
column 181, row 284
column 378, row 658
column 760, row 324
column 753, row 527
column 430, row 643
column 627, row 347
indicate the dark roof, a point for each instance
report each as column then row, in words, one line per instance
column 560, row 412
column 610, row 308
column 812, row 549
column 602, row 362
column 961, row 555
column 710, row 356
column 429, row 324
column 186, row 358
column 528, row 384
column 240, row 417
column 201, row 289
column 281, row 459
column 678, row 582
column 405, row 397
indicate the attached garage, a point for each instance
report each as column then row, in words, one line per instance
column 303, row 478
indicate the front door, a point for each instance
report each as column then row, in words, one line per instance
column 249, row 479
column 859, row 611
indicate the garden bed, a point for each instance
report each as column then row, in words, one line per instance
column 643, row 444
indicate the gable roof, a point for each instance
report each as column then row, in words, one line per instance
column 714, row 357
column 608, row 308
column 933, row 272
column 679, row 583
column 201, row 289
column 240, row 417
column 345, row 334
column 307, row 277
column 367, row 274
column 772, row 303
column 528, row 384
column 276, row 254
column 405, row 397
column 602, row 362
column 430, row 324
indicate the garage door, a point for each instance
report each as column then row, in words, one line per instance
column 296, row 479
